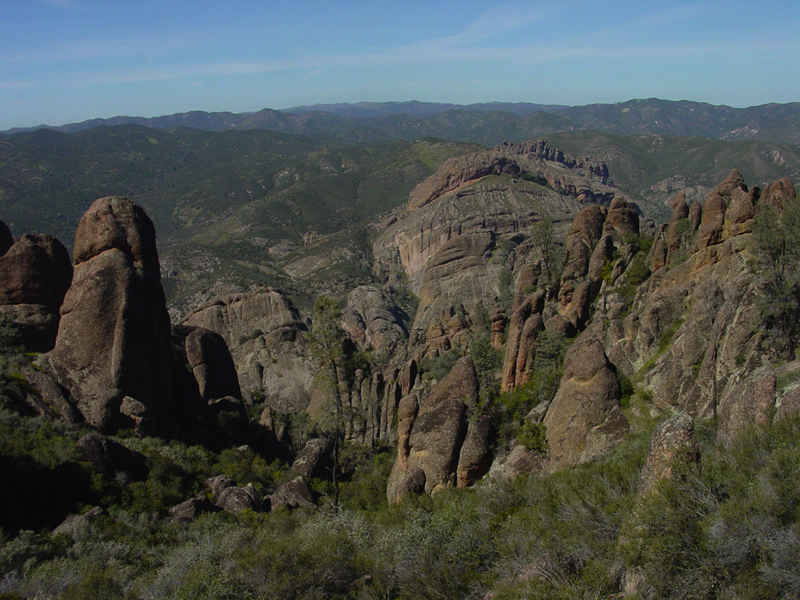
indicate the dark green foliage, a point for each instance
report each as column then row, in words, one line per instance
column 507, row 290
column 637, row 272
column 480, row 318
column 510, row 408
column 437, row 367
column 728, row 528
column 777, row 266
column 487, row 359
column 626, row 389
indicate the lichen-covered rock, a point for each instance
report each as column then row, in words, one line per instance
column 189, row 510
column 584, row 418
column 748, row 404
column 314, row 460
column 294, row 494
column 672, row 446
column 234, row 499
column 218, row 483
column 515, row 462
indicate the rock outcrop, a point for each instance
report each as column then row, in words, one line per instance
column 672, row 448
column 372, row 320
column 584, row 418
column 211, row 363
column 35, row 274
column 265, row 335
column 432, row 437
column 114, row 335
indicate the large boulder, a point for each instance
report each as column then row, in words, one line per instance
column 210, row 360
column 672, row 448
column 35, row 274
column 432, row 441
column 584, row 418
column 114, row 335
column 314, row 460
column 35, row 270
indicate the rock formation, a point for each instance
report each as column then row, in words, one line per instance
column 114, row 337
column 35, row 273
column 436, row 444
column 584, row 419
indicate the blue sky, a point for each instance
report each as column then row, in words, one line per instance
column 63, row 61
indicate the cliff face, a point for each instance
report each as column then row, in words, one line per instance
column 468, row 223
column 498, row 256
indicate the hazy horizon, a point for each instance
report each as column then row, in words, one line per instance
column 67, row 61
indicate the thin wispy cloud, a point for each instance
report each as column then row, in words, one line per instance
column 313, row 74
column 102, row 48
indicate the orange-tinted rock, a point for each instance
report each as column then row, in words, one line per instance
column 680, row 210
column 116, row 222
column 622, row 219
column 584, row 418
column 778, row 193
column 114, row 335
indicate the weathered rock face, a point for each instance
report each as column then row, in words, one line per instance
column 189, row 510
column 513, row 159
column 433, row 440
column 372, row 320
column 748, row 403
column 114, row 335
column 238, row 499
column 778, row 193
column 35, row 273
column 211, row 363
column 438, row 240
column 294, row 494
column 248, row 315
column 314, row 460
column 584, row 418
column 586, row 230
column 35, row 270
column 116, row 222
column 672, row 446
column 264, row 333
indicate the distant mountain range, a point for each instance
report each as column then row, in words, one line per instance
column 489, row 123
